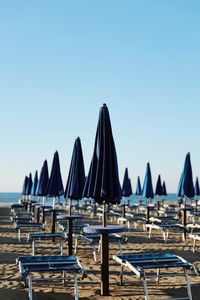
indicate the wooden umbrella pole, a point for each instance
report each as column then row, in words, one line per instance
column 104, row 214
column 70, row 207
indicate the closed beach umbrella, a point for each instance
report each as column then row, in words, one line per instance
column 34, row 185
column 102, row 183
column 43, row 181
column 76, row 176
column 29, row 185
column 55, row 185
column 126, row 186
column 186, row 186
column 159, row 188
column 138, row 191
column 24, row 186
column 164, row 189
column 147, row 190
column 197, row 189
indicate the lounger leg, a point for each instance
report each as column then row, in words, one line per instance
column 121, row 275
column 76, row 245
column 19, row 235
column 158, row 274
column 94, row 253
column 33, row 248
column 164, row 236
column 120, row 247
column 61, row 246
column 150, row 231
column 188, row 284
column 146, row 297
column 194, row 244
column 75, row 287
column 30, row 294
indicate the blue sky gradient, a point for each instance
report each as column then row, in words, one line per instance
column 60, row 60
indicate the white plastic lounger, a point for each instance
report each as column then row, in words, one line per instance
column 19, row 226
column 165, row 224
column 95, row 241
column 195, row 237
column 37, row 237
column 28, row 265
column 140, row 263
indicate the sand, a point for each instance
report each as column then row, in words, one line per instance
column 89, row 288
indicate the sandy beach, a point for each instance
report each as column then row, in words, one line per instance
column 89, row 288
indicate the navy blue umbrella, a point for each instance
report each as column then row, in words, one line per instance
column 34, row 185
column 43, row 181
column 164, row 189
column 76, row 177
column 24, row 186
column 159, row 188
column 197, row 189
column 102, row 183
column 29, row 185
column 147, row 190
column 186, row 186
column 55, row 186
column 138, row 191
column 126, row 186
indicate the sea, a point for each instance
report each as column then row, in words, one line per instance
column 7, row 199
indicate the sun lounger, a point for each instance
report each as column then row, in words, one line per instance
column 38, row 237
column 195, row 237
column 165, row 224
column 28, row 265
column 141, row 263
column 95, row 241
column 19, row 226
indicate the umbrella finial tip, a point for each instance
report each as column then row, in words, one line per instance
column 104, row 105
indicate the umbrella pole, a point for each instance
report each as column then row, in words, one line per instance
column 104, row 265
column 104, row 214
column 70, row 206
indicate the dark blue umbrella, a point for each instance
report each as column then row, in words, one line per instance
column 24, row 186
column 102, row 183
column 76, row 177
column 138, row 191
column 186, row 186
column 55, row 186
column 43, row 181
column 164, row 189
column 197, row 189
column 126, row 186
column 34, row 185
column 29, row 185
column 159, row 188
column 147, row 190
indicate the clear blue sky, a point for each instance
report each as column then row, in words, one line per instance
column 60, row 60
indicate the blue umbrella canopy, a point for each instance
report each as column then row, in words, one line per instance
column 126, row 186
column 186, row 186
column 34, row 185
column 24, row 186
column 164, row 193
column 102, row 183
column 197, row 189
column 138, row 191
column 29, row 185
column 43, row 180
column 147, row 190
column 55, row 185
column 76, row 176
column 159, row 188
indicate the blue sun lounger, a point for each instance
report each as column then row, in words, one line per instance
column 140, row 263
column 41, row 236
column 28, row 265
column 19, row 226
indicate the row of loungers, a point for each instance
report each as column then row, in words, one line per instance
column 139, row 263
